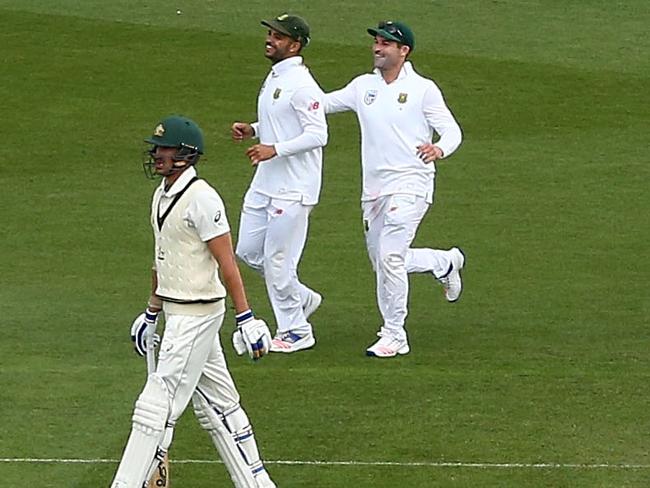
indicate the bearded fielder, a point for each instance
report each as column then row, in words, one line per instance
column 399, row 112
column 292, row 130
column 192, row 245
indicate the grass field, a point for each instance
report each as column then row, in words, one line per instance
column 538, row 377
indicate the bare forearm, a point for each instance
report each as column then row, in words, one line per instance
column 221, row 249
column 155, row 303
column 233, row 282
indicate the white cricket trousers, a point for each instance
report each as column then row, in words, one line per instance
column 191, row 355
column 390, row 224
column 272, row 236
column 191, row 363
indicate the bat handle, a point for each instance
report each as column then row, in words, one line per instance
column 151, row 358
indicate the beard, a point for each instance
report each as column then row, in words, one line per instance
column 275, row 54
column 380, row 63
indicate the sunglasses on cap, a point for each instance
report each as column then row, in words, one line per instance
column 390, row 27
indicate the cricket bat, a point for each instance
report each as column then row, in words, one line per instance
column 160, row 478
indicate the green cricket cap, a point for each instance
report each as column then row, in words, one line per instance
column 394, row 31
column 293, row 26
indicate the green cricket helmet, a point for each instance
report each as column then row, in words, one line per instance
column 179, row 132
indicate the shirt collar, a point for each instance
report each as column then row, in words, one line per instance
column 407, row 68
column 285, row 65
column 180, row 183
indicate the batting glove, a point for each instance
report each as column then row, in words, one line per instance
column 252, row 336
column 143, row 330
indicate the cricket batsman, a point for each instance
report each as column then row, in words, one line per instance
column 194, row 267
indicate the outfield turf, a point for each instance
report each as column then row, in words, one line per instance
column 538, row 377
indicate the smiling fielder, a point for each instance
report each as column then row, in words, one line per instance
column 292, row 131
column 399, row 112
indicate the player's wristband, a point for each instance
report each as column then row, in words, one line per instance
column 243, row 317
column 150, row 315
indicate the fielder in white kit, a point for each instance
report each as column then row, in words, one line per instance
column 292, row 131
column 192, row 245
column 399, row 112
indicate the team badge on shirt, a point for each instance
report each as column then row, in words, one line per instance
column 371, row 96
column 402, row 97
column 276, row 93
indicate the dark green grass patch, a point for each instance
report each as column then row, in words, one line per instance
column 544, row 360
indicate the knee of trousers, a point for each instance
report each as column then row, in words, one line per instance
column 252, row 257
column 391, row 262
column 152, row 407
column 280, row 274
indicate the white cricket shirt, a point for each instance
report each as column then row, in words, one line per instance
column 395, row 118
column 291, row 117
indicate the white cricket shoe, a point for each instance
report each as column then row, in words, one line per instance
column 312, row 303
column 388, row 346
column 452, row 281
column 289, row 342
